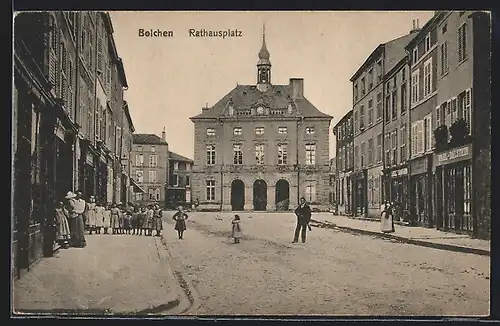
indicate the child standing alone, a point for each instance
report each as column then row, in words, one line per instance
column 236, row 233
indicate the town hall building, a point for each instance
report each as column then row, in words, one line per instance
column 261, row 147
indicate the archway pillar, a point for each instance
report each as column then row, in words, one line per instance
column 248, row 198
column 293, row 197
column 271, row 198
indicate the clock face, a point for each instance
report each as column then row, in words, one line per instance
column 260, row 110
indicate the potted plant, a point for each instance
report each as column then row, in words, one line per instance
column 441, row 137
column 459, row 132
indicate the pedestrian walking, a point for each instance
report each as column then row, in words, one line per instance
column 90, row 215
column 77, row 227
column 158, row 221
column 115, row 219
column 106, row 219
column 387, row 218
column 99, row 218
column 303, row 212
column 236, row 229
column 150, row 220
column 180, row 218
column 63, row 232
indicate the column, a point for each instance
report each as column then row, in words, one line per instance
column 248, row 198
column 271, row 198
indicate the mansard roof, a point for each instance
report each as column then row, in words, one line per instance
column 275, row 97
column 147, row 139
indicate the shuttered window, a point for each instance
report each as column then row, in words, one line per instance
column 420, row 137
column 454, row 110
column 71, row 96
column 438, row 116
column 468, row 110
column 53, row 53
column 63, row 73
column 462, row 42
column 414, row 145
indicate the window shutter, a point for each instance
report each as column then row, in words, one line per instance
column 421, row 137
column 64, row 67
column 459, row 43
column 468, row 109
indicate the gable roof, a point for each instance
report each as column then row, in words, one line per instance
column 275, row 97
column 147, row 139
column 177, row 157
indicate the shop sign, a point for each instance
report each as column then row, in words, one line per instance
column 419, row 166
column 454, row 155
column 400, row 172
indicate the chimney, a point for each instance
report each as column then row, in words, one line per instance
column 203, row 109
column 297, row 85
column 415, row 27
column 163, row 136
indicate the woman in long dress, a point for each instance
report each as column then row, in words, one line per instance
column 115, row 219
column 63, row 232
column 106, row 220
column 77, row 227
column 387, row 218
column 158, row 220
column 236, row 229
column 180, row 218
column 90, row 215
column 150, row 220
column 99, row 219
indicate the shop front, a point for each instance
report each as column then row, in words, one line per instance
column 396, row 190
column 420, row 192
column 453, row 189
column 87, row 170
column 359, row 193
column 102, row 179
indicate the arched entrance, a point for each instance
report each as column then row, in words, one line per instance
column 282, row 195
column 237, row 195
column 259, row 195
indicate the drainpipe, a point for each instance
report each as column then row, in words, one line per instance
column 222, row 171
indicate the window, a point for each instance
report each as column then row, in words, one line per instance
column 139, row 160
column 363, row 90
column 282, row 154
column 210, row 190
column 139, row 148
column 362, row 117
column 210, row 131
column 259, row 154
column 388, row 147
column 140, row 176
column 379, row 106
column 210, row 154
column 467, row 110
column 310, row 154
column 444, row 29
column 152, row 193
column 404, row 98
column 428, row 77
column 237, row 154
column 356, row 157
column 379, row 71
column 282, row 130
column 176, row 166
column 138, row 196
column 237, row 131
column 462, row 42
column 415, row 55
column 153, row 160
column 310, row 193
column 415, row 87
column 394, row 150
column 402, row 141
column 153, row 149
column 370, row 112
column 370, row 151
column 348, row 156
column 427, row 42
column 388, row 108
column 370, row 79
column 187, row 180
column 152, row 177
column 444, row 58
column 417, row 138
column 259, row 130
column 363, row 154
column 438, row 116
column 394, row 104
column 454, row 110
column 175, row 180
column 310, row 130
column 355, row 92
column 157, row 193
column 188, row 167
column 428, row 133
column 379, row 148
column 356, row 126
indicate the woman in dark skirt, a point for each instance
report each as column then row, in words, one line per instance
column 76, row 225
column 158, row 220
column 180, row 218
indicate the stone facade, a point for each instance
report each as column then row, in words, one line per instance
column 261, row 147
column 180, row 178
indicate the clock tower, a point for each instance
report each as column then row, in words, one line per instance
column 263, row 65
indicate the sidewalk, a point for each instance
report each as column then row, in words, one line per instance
column 414, row 235
column 113, row 274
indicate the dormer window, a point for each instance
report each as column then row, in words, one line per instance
column 310, row 130
column 210, row 131
column 415, row 55
column 427, row 42
column 231, row 110
column 237, row 131
column 259, row 130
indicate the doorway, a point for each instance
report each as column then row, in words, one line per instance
column 282, row 195
column 259, row 195
column 237, row 195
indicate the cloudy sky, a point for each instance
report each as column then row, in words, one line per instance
column 171, row 78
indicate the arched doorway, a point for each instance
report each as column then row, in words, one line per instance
column 259, row 195
column 282, row 195
column 237, row 195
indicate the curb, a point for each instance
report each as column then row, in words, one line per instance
column 441, row 246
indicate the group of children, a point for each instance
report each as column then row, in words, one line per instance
column 123, row 219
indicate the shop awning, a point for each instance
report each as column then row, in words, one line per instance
column 137, row 188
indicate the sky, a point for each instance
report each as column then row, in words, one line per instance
column 171, row 78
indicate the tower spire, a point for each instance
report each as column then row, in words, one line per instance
column 264, row 65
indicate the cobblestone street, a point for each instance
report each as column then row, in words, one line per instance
column 334, row 273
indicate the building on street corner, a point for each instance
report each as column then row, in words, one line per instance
column 344, row 135
column 179, row 181
column 67, row 111
column 261, row 147
column 150, row 168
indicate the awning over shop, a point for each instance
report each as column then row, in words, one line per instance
column 137, row 188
